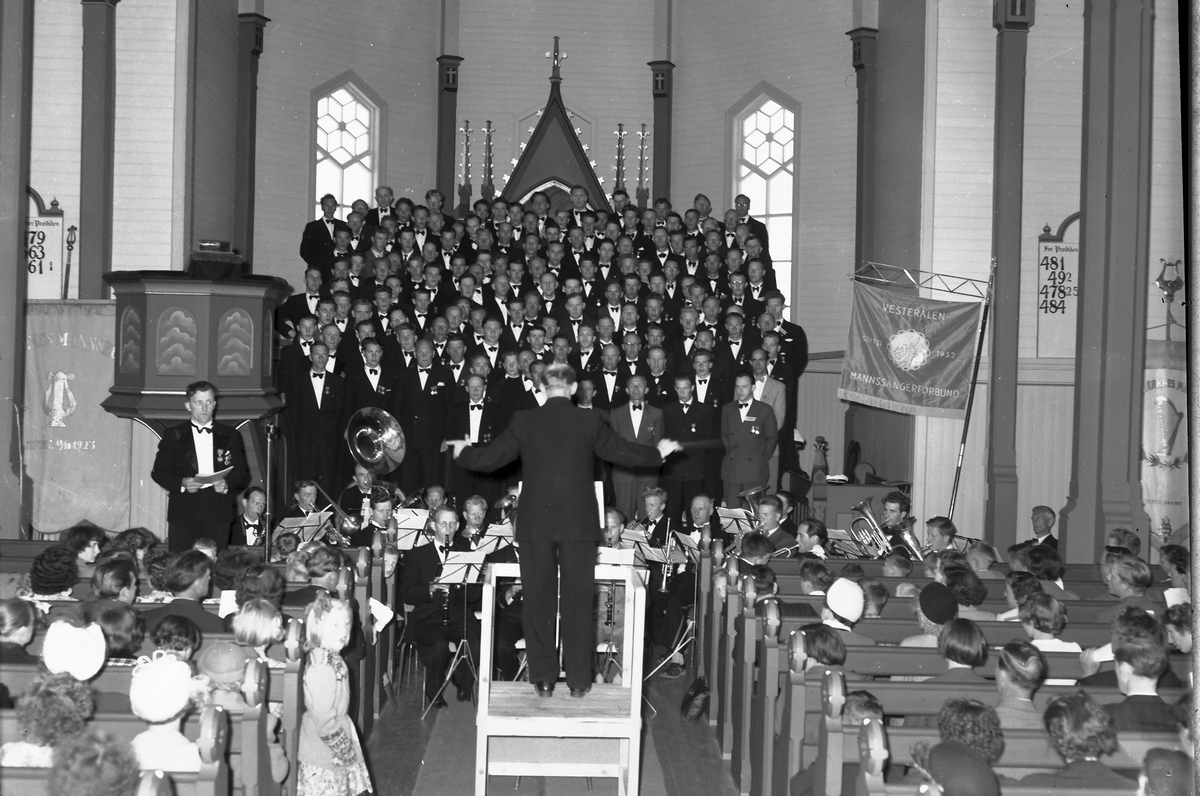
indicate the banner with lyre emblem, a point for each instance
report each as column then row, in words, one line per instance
column 1165, row 442
column 910, row 354
column 76, row 454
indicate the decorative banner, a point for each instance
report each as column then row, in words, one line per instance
column 1165, row 442
column 910, row 354
column 76, row 454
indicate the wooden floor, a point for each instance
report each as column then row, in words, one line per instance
column 687, row 761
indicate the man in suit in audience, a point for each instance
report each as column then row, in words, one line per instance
column 749, row 433
column 1042, row 520
column 440, row 614
column 199, row 447
column 188, row 577
column 638, row 421
column 317, row 242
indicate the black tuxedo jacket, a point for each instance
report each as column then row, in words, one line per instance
column 316, row 244
column 293, row 308
column 593, row 365
column 422, row 566
column 698, row 433
column 423, row 411
column 719, row 393
column 305, row 418
column 372, row 219
column 176, row 460
column 360, row 394
column 620, row 396
column 491, row 423
column 557, row 444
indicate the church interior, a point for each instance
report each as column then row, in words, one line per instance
column 1026, row 154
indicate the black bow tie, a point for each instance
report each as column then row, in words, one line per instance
column 743, row 406
column 443, row 549
column 318, row 375
column 492, row 349
column 476, row 406
column 313, row 296
column 373, row 371
column 702, row 381
column 689, row 337
column 306, row 343
column 610, row 373
column 636, row 407
column 423, row 370
column 686, row 406
column 201, row 430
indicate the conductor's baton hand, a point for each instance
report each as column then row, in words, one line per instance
column 456, row 445
column 668, row 446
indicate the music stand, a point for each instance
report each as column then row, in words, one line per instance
column 306, row 528
column 461, row 568
column 686, row 551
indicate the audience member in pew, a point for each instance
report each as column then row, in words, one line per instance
column 859, row 706
column 1175, row 561
column 115, row 580
column 822, row 648
column 206, row 546
column 843, row 607
column 1082, row 732
column 1123, row 537
column 957, row 769
column 135, row 541
column 161, row 692
column 330, row 756
column 815, row 578
column 230, row 565
column 81, row 651
column 936, row 564
column 188, row 577
column 283, row 546
column 52, row 709
column 1043, row 619
column 224, row 666
column 1046, row 565
column 875, row 596
column 94, row 764
column 177, row 635
column 974, row 725
column 1128, row 579
column 124, row 628
column 85, row 542
column 1178, row 622
column 756, row 549
column 1130, row 623
column 1183, row 722
column 1020, row 672
column 296, row 568
column 897, row 564
column 964, row 647
column 154, row 565
column 18, row 623
column 969, row 592
column 53, row 575
column 939, row 534
column 1017, row 588
column 1140, row 662
column 1166, row 772
column 261, row 581
column 1018, row 558
column 257, row 625
column 935, row 607
column 853, row 572
column 981, row 557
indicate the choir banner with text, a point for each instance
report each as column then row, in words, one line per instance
column 76, row 454
column 910, row 354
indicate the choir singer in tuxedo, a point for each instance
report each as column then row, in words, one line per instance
column 558, row 523
column 199, row 447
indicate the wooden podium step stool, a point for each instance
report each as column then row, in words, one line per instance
column 519, row 734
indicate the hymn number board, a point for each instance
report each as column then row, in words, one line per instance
column 44, row 249
column 1057, row 292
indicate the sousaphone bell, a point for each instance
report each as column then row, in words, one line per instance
column 376, row 440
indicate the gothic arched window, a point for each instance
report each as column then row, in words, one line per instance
column 348, row 142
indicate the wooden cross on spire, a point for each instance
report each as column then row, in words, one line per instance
column 557, row 58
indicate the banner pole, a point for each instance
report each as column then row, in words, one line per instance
column 962, row 445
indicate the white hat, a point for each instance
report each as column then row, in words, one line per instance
column 161, row 687
column 78, row 651
column 845, row 598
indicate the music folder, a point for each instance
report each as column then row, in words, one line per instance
column 461, row 568
column 616, row 556
column 208, row 480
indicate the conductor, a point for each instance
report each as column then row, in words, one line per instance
column 558, row 525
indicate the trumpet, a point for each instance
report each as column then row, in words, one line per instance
column 668, row 567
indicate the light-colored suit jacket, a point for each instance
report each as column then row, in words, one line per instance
column 650, row 432
column 748, row 444
column 774, row 395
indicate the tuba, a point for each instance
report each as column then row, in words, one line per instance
column 507, row 506
column 867, row 531
column 376, row 440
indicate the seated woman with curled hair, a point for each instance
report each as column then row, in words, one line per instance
column 124, row 628
column 971, row 742
column 964, row 647
column 54, row 707
column 822, row 649
column 1082, row 732
column 18, row 623
column 1017, row 587
column 53, row 575
column 969, row 593
column 1044, row 619
column 1020, row 671
column 94, row 764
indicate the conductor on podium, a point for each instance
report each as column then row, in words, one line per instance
column 200, row 447
column 558, row 522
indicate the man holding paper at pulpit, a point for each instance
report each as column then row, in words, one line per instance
column 201, row 464
column 558, row 521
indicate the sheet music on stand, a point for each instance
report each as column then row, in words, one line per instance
column 689, row 547
column 461, row 568
column 411, row 538
column 616, row 556
column 411, row 518
column 496, row 538
column 658, row 555
column 734, row 521
column 842, row 541
column 306, row 528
